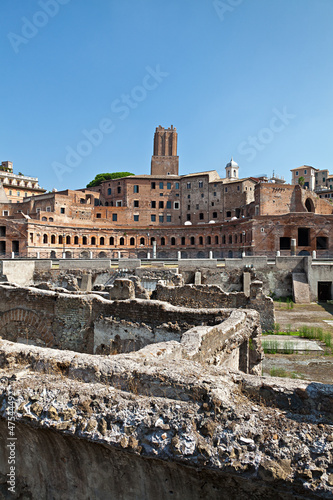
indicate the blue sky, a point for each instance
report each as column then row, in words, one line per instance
column 85, row 82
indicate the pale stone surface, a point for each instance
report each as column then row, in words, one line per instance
column 289, row 343
column 143, row 424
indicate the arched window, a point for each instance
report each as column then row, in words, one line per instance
column 223, row 240
column 111, row 240
column 68, row 240
column 53, row 239
column 200, row 240
column 209, row 240
column 230, row 238
column 45, row 238
column 235, row 238
column 192, row 240
column 60, row 240
column 76, row 240
column 122, row 241
column 173, row 241
column 183, row 240
column 162, row 241
column 132, row 241
column 142, row 241
column 216, row 240
column 44, row 219
column 152, row 240
column 93, row 240
column 101, row 240
column 84, row 240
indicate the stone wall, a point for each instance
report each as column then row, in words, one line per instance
column 20, row 273
column 91, row 324
column 212, row 296
column 152, row 424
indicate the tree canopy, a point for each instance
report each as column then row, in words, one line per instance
column 105, row 177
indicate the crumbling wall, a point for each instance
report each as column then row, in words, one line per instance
column 200, row 296
column 152, row 424
column 92, row 324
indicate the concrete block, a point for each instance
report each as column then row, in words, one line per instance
column 129, row 264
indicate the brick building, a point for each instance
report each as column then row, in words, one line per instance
column 197, row 214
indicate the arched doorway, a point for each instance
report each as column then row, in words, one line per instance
column 309, row 205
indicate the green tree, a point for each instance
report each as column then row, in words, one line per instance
column 105, row 177
column 301, row 181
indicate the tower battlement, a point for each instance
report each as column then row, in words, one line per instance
column 165, row 160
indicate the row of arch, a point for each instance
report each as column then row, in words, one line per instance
column 142, row 241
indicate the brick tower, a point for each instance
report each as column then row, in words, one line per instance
column 165, row 160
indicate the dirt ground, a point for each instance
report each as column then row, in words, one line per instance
column 309, row 366
column 304, row 314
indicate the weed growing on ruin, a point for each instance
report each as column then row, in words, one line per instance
column 281, row 372
column 270, row 346
column 316, row 334
column 290, row 303
column 276, row 328
column 288, row 347
column 328, row 340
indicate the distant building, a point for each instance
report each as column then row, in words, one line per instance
column 308, row 174
column 17, row 186
column 194, row 215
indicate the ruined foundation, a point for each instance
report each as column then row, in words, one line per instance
column 151, row 424
column 138, row 399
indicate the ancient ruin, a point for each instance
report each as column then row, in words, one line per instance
column 131, row 392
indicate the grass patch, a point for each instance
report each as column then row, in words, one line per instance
column 293, row 334
column 316, row 334
column 285, row 300
column 288, row 347
column 328, row 339
column 281, row 372
column 270, row 346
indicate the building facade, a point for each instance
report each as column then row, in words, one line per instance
column 168, row 215
column 17, row 187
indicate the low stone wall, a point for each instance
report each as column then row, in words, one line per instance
column 20, row 273
column 200, row 296
column 152, row 424
column 91, row 324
